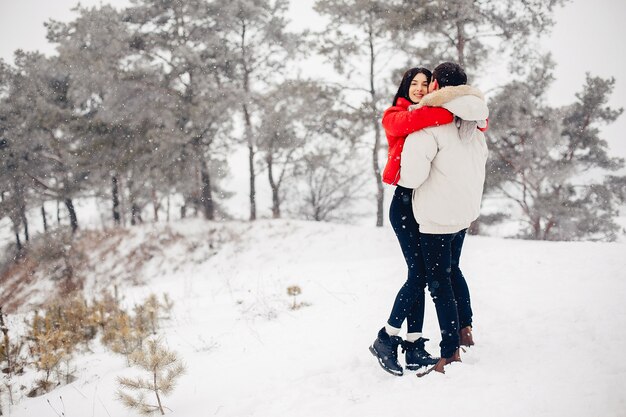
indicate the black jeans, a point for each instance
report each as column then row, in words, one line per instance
column 409, row 303
column 447, row 286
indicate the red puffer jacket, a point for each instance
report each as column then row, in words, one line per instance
column 398, row 123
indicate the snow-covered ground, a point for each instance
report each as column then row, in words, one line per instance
column 549, row 327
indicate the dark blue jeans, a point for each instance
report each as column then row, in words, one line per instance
column 447, row 286
column 409, row 303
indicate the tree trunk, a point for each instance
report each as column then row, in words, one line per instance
column 549, row 226
column 116, row 202
column 380, row 195
column 274, row 187
column 24, row 222
column 156, row 391
column 135, row 214
column 72, row 212
column 18, row 242
column 155, row 205
column 246, row 115
column 123, row 211
column 460, row 43
column 43, row 217
column 251, row 153
column 207, row 195
column 167, row 214
column 537, row 229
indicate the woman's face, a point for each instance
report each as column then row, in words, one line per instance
column 418, row 88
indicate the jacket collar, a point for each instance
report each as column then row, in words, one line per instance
column 446, row 94
column 404, row 103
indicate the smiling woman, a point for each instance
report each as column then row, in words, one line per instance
column 419, row 87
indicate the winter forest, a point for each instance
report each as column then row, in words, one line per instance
column 133, row 263
column 143, row 106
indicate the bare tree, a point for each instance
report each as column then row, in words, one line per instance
column 294, row 114
column 255, row 31
column 359, row 28
column 333, row 182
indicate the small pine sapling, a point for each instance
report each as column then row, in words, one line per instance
column 294, row 291
column 10, row 360
column 163, row 367
column 4, row 346
column 105, row 308
column 50, row 348
column 148, row 314
column 122, row 335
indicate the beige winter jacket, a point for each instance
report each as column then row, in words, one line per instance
column 445, row 165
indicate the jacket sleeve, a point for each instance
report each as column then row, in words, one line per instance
column 485, row 127
column 419, row 151
column 400, row 122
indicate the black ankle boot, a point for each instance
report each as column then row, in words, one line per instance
column 416, row 355
column 385, row 348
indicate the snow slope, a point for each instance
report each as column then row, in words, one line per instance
column 549, row 328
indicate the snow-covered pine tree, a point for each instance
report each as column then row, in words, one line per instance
column 435, row 31
column 38, row 149
column 163, row 367
column 14, row 183
column 552, row 162
column 182, row 41
column 127, row 122
column 13, row 179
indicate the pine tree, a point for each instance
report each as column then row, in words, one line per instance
column 123, row 334
column 38, row 135
column 462, row 31
column 547, row 160
column 124, row 111
column 164, row 369
column 183, row 41
column 16, row 154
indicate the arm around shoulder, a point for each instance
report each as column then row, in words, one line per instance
column 400, row 122
column 419, row 150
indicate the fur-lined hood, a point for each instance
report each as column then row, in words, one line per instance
column 464, row 101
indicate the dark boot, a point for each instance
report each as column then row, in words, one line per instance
column 465, row 336
column 385, row 348
column 416, row 355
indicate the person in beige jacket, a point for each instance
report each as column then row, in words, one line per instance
column 445, row 167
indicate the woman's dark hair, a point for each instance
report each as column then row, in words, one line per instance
column 403, row 90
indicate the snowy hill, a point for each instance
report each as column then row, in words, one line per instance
column 549, row 325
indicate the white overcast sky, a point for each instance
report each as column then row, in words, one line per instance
column 589, row 36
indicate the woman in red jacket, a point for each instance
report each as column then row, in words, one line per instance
column 399, row 122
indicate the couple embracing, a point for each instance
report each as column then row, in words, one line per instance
column 437, row 157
